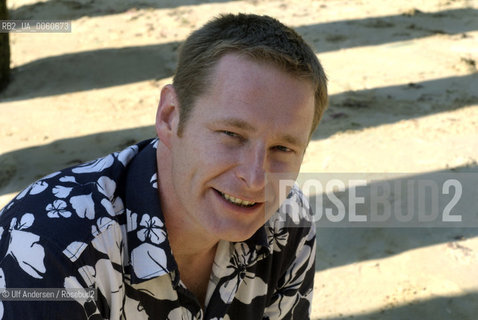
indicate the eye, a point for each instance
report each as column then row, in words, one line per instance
column 283, row 149
column 230, row 133
column 231, row 136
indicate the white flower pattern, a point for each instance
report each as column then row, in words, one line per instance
column 84, row 206
column 153, row 229
column 61, row 191
column 2, row 286
column 35, row 188
column 24, row 246
column 242, row 283
column 95, row 165
column 57, row 209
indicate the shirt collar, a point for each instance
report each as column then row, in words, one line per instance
column 148, row 247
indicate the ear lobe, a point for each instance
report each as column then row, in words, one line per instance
column 167, row 116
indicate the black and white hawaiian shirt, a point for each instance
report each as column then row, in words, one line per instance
column 99, row 226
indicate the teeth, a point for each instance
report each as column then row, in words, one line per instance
column 237, row 201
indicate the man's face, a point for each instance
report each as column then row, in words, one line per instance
column 254, row 120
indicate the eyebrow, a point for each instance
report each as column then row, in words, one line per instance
column 292, row 140
column 237, row 123
column 243, row 125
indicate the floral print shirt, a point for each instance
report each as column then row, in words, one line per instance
column 99, row 225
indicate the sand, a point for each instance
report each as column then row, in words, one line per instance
column 403, row 80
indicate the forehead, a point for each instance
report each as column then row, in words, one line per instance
column 259, row 93
column 244, row 72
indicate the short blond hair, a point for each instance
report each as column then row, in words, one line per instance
column 261, row 38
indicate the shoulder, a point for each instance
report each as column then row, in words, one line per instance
column 69, row 206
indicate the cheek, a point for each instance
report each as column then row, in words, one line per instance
column 278, row 188
column 196, row 163
column 216, row 153
column 285, row 166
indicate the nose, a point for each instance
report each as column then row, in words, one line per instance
column 252, row 169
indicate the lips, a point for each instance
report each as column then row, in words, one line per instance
column 236, row 201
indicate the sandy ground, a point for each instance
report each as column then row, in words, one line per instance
column 404, row 98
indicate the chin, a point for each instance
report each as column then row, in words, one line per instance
column 239, row 236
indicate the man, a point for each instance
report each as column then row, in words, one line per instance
column 184, row 226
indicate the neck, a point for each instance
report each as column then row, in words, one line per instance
column 186, row 243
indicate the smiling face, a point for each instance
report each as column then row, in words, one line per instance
column 255, row 119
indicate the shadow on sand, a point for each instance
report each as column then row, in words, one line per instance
column 77, row 9
column 111, row 67
column 463, row 307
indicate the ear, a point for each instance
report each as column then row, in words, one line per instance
column 167, row 116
